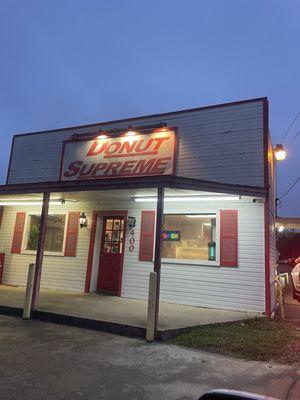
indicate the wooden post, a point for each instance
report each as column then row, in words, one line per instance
column 157, row 253
column 40, row 253
column 151, row 316
column 28, row 294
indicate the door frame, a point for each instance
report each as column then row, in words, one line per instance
column 89, row 266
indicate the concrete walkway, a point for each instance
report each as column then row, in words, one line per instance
column 46, row 361
column 118, row 309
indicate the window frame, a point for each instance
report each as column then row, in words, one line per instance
column 26, row 236
column 183, row 261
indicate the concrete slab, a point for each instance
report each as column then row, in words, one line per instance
column 48, row 361
column 118, row 309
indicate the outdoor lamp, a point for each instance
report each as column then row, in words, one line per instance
column 279, row 152
column 83, row 220
column 130, row 132
column 102, row 136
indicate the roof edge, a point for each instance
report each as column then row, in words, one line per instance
column 263, row 99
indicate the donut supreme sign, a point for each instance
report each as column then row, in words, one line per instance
column 109, row 157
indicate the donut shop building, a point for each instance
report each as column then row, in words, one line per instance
column 188, row 194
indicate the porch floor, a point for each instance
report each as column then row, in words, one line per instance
column 118, row 309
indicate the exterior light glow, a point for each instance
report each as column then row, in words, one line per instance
column 130, row 133
column 29, row 203
column 102, row 137
column 33, row 202
column 281, row 228
column 188, row 198
column 162, row 129
column 201, row 216
column 280, row 153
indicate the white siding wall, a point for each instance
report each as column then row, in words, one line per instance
column 272, row 222
column 222, row 144
column 209, row 286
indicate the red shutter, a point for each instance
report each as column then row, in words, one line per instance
column 72, row 234
column 229, row 238
column 147, row 236
column 18, row 232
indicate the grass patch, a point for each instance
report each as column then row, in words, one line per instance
column 256, row 339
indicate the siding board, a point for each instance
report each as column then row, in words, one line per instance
column 212, row 142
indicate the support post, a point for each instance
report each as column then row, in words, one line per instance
column 157, row 253
column 28, row 294
column 40, row 253
column 151, row 316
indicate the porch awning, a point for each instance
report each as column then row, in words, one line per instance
column 170, row 181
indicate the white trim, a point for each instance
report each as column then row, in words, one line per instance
column 96, row 254
column 46, row 253
column 207, row 263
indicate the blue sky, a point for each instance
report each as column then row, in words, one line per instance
column 72, row 62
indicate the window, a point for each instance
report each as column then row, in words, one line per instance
column 114, row 235
column 55, row 231
column 189, row 237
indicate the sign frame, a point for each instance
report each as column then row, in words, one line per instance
column 122, row 134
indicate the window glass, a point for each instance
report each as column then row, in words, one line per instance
column 113, row 235
column 54, row 232
column 189, row 237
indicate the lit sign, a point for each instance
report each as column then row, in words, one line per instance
column 122, row 156
column 170, row 235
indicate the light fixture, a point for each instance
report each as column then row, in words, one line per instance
column 201, row 216
column 162, row 129
column 101, row 137
column 279, row 152
column 187, row 198
column 281, row 228
column 130, row 132
column 83, row 220
column 30, row 203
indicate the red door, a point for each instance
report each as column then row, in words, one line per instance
column 111, row 254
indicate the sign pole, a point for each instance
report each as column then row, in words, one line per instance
column 157, row 253
column 40, row 252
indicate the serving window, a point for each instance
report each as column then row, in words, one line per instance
column 189, row 237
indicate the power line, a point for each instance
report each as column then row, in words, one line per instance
column 291, row 187
column 290, row 127
column 292, row 140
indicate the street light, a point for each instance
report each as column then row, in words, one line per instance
column 279, row 152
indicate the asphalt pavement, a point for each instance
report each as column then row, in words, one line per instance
column 40, row 360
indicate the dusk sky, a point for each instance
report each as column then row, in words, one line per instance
column 72, row 62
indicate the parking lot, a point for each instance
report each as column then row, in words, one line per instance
column 46, row 361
